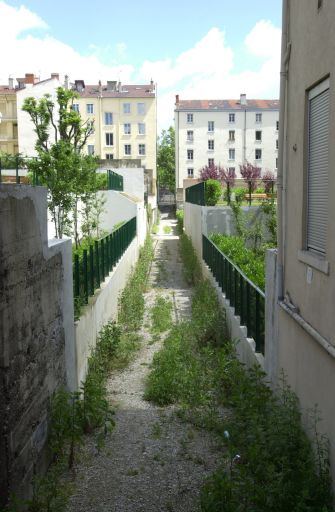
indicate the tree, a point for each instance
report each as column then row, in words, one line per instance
column 60, row 165
column 166, row 160
column 251, row 175
column 210, row 172
column 269, row 179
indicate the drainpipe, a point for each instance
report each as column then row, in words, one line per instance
column 281, row 174
column 245, row 137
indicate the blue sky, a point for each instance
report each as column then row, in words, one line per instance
column 191, row 48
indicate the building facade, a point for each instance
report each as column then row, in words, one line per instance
column 226, row 133
column 8, row 119
column 125, row 121
column 305, row 345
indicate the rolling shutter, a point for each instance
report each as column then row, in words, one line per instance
column 318, row 149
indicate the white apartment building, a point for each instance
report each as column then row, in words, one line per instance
column 226, row 133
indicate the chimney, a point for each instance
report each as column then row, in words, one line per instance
column 66, row 81
column 11, row 82
column 29, row 78
column 177, row 99
column 111, row 85
column 100, row 88
column 243, row 99
column 55, row 75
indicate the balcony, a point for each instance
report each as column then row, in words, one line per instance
column 8, row 138
column 4, row 118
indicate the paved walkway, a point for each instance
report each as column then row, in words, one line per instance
column 152, row 461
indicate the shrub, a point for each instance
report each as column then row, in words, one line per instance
column 213, row 192
column 240, row 193
column 180, row 221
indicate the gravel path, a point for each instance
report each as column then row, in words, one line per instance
column 152, row 461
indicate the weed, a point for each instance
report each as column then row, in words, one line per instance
column 156, row 432
column 192, row 269
column 180, row 221
column 167, row 230
column 132, row 472
column 161, row 315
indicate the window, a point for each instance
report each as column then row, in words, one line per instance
column 190, row 172
column 108, row 118
column 127, row 149
column 89, row 108
column 276, row 163
column 140, row 109
column 211, row 145
column 231, row 171
column 210, row 162
column 109, row 156
column 231, row 118
column 75, row 107
column 258, row 135
column 127, row 128
column 231, row 154
column 126, row 108
column 232, row 135
column 277, row 125
column 317, row 167
column 141, row 149
column 190, row 154
column 141, row 128
column 277, row 144
column 258, row 154
column 90, row 149
column 109, row 139
column 211, row 126
column 189, row 118
column 258, row 118
column 190, row 135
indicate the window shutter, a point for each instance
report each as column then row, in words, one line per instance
column 317, row 185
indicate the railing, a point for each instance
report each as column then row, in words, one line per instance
column 114, row 181
column 247, row 300
column 196, row 194
column 90, row 270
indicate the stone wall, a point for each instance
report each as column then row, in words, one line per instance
column 32, row 334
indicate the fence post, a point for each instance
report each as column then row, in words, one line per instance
column 257, row 323
column 17, row 170
column 76, row 276
column 85, row 275
column 0, row 172
column 91, row 270
column 97, row 262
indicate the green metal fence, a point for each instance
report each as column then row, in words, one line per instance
column 247, row 300
column 90, row 269
column 196, row 194
column 114, row 181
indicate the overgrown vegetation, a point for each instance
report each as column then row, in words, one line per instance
column 180, row 221
column 270, row 462
column 257, row 232
column 160, row 314
column 213, row 192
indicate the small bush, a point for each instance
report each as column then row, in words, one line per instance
column 161, row 319
column 213, row 192
column 240, row 193
column 192, row 270
column 180, row 221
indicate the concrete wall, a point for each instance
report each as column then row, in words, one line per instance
column 36, row 336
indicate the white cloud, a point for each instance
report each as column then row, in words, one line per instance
column 205, row 70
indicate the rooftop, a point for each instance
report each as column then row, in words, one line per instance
column 114, row 90
column 226, row 104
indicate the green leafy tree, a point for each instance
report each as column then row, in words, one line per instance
column 166, row 159
column 60, row 165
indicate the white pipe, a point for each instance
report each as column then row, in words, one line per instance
column 285, row 55
column 325, row 344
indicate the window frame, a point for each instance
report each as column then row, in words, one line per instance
column 138, row 128
column 109, row 135
column 140, row 110
column 210, row 145
column 211, row 126
column 188, row 172
column 259, row 151
column 125, row 108
column 231, row 117
column 125, row 149
column 88, row 150
column 231, row 154
column 128, row 130
column 141, row 145
column 107, row 115
column 189, row 118
column 190, row 152
column 88, row 110
column 258, row 117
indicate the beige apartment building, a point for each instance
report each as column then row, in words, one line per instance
column 125, row 119
column 305, row 346
column 8, row 119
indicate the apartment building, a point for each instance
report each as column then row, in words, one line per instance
column 125, row 120
column 226, row 133
column 8, row 119
column 305, row 346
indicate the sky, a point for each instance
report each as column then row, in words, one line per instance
column 191, row 48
